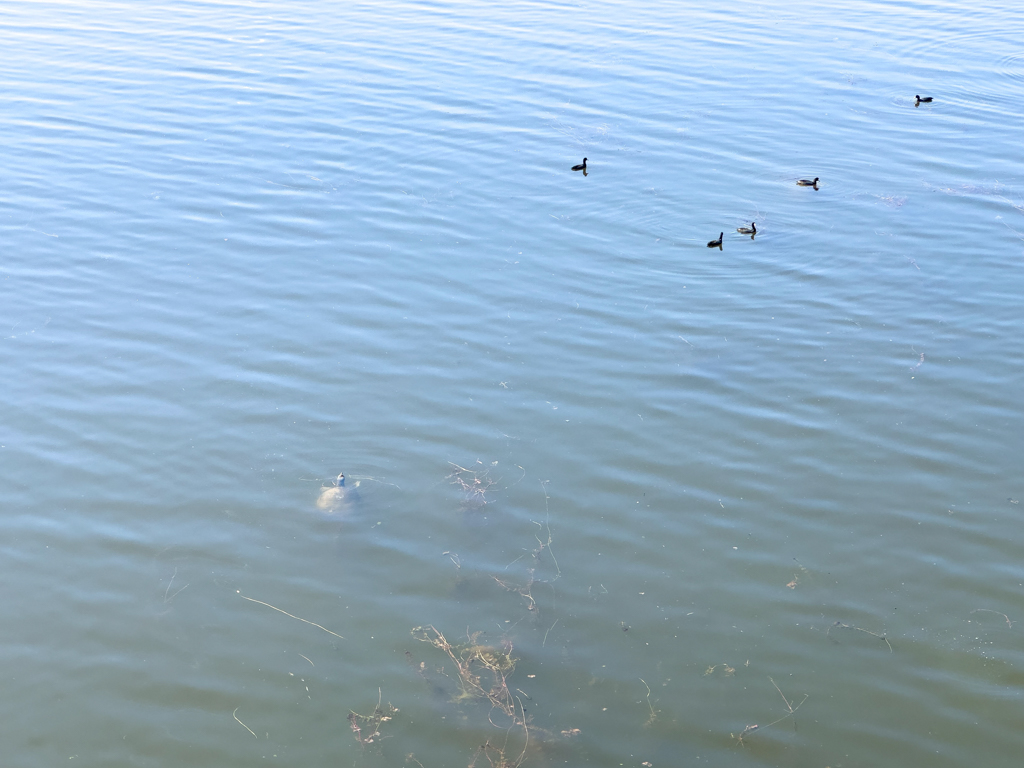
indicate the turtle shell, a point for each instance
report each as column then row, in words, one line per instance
column 335, row 499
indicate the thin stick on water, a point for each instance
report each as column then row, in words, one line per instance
column 250, row 730
column 178, row 592
column 547, row 523
column 790, row 707
column 998, row 613
column 290, row 615
column 169, row 584
column 654, row 715
column 790, row 713
column 859, row 629
column 526, row 731
column 545, row 642
column 308, row 659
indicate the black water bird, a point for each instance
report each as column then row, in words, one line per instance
column 581, row 167
column 716, row 243
column 919, row 100
column 751, row 230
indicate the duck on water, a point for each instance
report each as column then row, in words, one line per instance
column 751, row 230
column 808, row 183
column 716, row 243
column 581, row 167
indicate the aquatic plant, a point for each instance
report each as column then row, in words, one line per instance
column 482, row 670
column 371, row 723
column 474, row 484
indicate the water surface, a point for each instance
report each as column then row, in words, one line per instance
column 249, row 246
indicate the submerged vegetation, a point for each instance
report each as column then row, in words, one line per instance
column 366, row 728
column 482, row 670
column 476, row 675
column 473, row 483
column 497, row 756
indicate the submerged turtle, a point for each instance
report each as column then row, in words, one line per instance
column 337, row 498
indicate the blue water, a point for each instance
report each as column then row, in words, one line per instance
column 249, row 246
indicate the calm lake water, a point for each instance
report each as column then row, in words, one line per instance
column 646, row 494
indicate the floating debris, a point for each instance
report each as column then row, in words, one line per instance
column 474, row 484
column 840, row 625
column 371, row 724
column 791, row 712
column 474, row 662
column 727, row 671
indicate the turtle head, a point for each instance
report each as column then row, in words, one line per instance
column 340, row 481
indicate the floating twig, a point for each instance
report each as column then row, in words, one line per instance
column 372, row 722
column 791, row 712
column 178, row 592
column 859, row 629
column 547, row 522
column 454, row 557
column 789, row 706
column 545, row 641
column 999, row 613
column 290, row 615
column 654, row 715
column 524, row 590
column 250, row 730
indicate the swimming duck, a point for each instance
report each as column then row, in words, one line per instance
column 925, row 100
column 751, row 230
column 337, row 496
column 581, row 167
column 808, row 182
column 716, row 243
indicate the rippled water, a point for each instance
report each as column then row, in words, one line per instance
column 249, row 246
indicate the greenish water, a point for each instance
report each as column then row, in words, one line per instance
column 249, row 246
